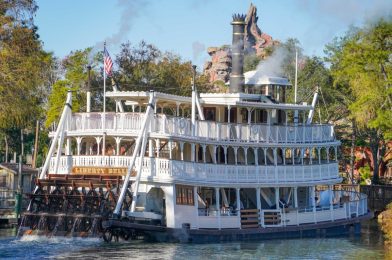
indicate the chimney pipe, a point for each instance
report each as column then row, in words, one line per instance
column 88, row 106
column 237, row 54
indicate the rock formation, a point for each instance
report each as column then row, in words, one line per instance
column 255, row 40
column 220, row 65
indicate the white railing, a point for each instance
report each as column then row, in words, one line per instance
column 355, row 206
column 171, row 170
column 260, row 133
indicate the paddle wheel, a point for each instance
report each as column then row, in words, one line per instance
column 76, row 203
column 72, row 205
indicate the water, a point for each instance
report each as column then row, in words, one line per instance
column 368, row 246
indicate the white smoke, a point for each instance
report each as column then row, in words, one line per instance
column 348, row 11
column 130, row 10
column 273, row 65
column 197, row 49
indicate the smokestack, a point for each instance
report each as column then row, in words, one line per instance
column 237, row 54
column 88, row 106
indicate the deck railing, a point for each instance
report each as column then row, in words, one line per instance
column 130, row 123
column 346, row 205
column 7, row 198
column 173, row 170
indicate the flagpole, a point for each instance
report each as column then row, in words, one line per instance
column 104, row 101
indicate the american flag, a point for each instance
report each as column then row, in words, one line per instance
column 107, row 62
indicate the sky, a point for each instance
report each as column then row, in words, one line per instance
column 189, row 27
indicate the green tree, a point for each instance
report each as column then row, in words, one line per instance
column 362, row 61
column 24, row 71
column 75, row 71
column 144, row 67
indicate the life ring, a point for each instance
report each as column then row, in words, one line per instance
column 254, row 129
column 182, row 123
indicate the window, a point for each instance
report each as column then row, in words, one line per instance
column 3, row 181
column 184, row 195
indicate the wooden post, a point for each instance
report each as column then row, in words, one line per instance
column 35, row 145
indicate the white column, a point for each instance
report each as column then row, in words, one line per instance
column 228, row 123
column 319, row 155
column 178, row 108
column 78, row 144
column 277, row 197
column 265, row 156
column 327, row 150
column 170, row 149
column 182, row 150
column 193, row 152
column 225, row 152
column 218, row 207
column 293, row 155
column 268, row 125
column 235, row 155
column 204, row 152
column 313, row 189
column 158, row 146
column 246, row 155
column 258, row 201
column 295, row 197
column 249, row 115
column 150, row 148
column 118, row 141
column 330, row 187
column 256, row 156
column 68, row 150
column 98, row 140
column 275, row 156
column 214, row 160
column 196, row 200
column 237, row 191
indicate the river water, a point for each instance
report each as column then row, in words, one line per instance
column 369, row 245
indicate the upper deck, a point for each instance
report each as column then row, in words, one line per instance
column 230, row 117
column 129, row 124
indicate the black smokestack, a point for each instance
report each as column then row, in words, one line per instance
column 237, row 54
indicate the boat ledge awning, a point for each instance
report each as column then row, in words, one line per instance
column 281, row 106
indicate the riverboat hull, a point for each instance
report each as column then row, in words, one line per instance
column 118, row 229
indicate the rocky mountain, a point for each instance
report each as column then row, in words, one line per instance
column 255, row 41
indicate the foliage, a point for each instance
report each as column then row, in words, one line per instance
column 251, row 62
column 23, row 65
column 361, row 61
column 144, row 68
column 386, row 225
column 75, row 71
column 365, row 174
column 25, row 73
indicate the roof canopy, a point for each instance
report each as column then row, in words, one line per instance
column 257, row 78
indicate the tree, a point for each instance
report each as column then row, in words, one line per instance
column 24, row 67
column 144, row 68
column 74, row 68
column 362, row 61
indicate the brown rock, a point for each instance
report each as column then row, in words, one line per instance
column 255, row 40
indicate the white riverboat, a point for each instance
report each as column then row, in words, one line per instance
column 211, row 167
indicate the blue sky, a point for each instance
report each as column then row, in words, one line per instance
column 188, row 27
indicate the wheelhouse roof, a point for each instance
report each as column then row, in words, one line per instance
column 213, row 99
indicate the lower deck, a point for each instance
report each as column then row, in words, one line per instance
column 242, row 208
column 123, row 229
